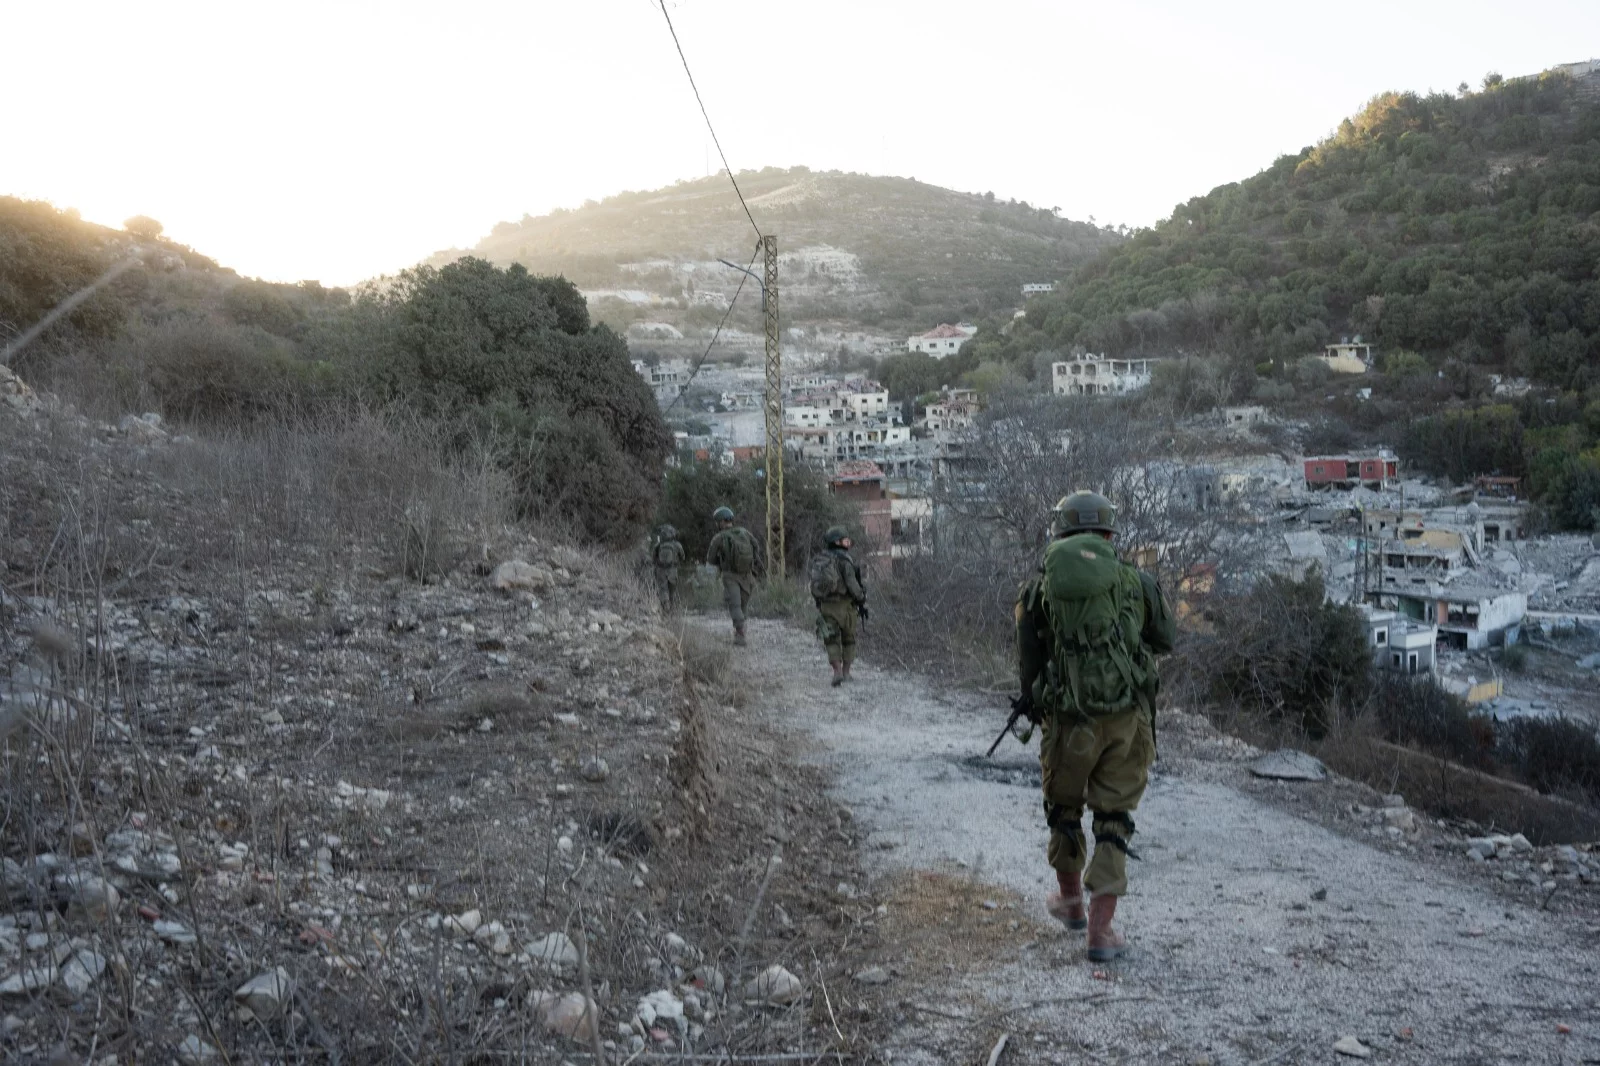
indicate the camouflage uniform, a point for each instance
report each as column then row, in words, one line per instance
column 736, row 587
column 837, row 624
column 1102, row 762
column 667, row 557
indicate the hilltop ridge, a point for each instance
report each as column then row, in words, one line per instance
column 886, row 251
column 1460, row 226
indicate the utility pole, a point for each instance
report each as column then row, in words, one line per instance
column 774, row 411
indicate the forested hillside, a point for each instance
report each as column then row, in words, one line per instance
column 1456, row 226
column 496, row 363
column 912, row 253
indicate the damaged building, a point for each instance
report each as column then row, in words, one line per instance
column 1468, row 617
column 1377, row 471
column 1399, row 643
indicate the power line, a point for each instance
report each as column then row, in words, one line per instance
column 716, row 334
column 707, row 117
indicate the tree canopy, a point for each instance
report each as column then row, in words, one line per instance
column 1452, row 226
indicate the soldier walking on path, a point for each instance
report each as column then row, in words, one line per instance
column 836, row 588
column 1088, row 630
column 667, row 557
column 733, row 553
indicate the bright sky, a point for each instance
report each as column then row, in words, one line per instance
column 337, row 140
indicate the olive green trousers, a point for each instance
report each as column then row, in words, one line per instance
column 837, row 628
column 736, row 590
column 1104, row 764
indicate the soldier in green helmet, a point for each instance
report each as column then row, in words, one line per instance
column 667, row 558
column 1088, row 630
column 840, row 598
column 733, row 552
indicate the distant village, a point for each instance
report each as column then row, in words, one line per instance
column 1440, row 575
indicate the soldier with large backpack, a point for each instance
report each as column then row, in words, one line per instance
column 733, row 553
column 1088, row 630
column 667, row 557
column 840, row 598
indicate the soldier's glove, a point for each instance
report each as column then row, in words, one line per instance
column 861, row 609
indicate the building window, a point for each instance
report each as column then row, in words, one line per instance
column 1394, row 659
column 1381, row 637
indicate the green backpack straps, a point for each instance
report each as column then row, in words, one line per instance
column 1095, row 607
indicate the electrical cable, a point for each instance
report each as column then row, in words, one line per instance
column 718, row 332
column 723, row 155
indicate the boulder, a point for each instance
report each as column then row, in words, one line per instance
column 659, row 1009
column 1286, row 764
column 555, row 951
column 15, row 394
column 573, row 1015
column 89, row 896
column 1355, row 1049
column 81, row 971
column 775, row 985
column 514, row 575
column 464, row 924
column 267, row 994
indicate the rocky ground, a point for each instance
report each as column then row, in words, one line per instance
column 266, row 797
column 295, row 770
column 1272, row 921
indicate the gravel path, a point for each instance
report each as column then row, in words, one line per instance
column 1259, row 936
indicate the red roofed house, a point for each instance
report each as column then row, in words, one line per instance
column 941, row 340
column 862, row 482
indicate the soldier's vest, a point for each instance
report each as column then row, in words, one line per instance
column 1096, row 609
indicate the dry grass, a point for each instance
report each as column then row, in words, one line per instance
column 119, row 532
column 707, row 660
column 953, row 920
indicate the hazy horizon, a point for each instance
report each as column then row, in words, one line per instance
column 334, row 145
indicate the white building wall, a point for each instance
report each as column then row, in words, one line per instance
column 938, row 347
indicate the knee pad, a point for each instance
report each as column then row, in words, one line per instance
column 1114, row 828
column 1061, row 822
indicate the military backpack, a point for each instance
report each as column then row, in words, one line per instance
column 669, row 553
column 827, row 583
column 1096, row 609
column 741, row 551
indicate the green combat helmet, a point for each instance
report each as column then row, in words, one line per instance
column 668, row 532
column 722, row 514
column 835, row 537
column 1083, row 512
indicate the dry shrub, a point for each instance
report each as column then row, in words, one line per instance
column 338, row 482
column 1555, row 755
column 707, row 660
column 950, row 616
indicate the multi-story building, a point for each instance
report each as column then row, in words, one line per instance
column 1096, row 375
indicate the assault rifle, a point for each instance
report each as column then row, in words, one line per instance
column 1021, row 707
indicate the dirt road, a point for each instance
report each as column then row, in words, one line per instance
column 1260, row 934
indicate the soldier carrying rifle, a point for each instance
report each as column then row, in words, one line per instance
column 1088, row 630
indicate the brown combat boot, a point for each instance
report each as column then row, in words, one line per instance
column 1066, row 906
column 738, row 635
column 1105, row 943
column 838, row 674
